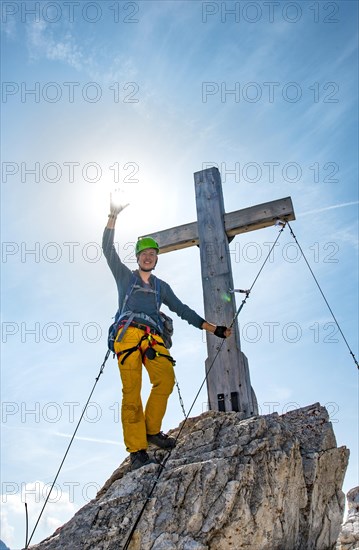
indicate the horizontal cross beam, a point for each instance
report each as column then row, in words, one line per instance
column 240, row 221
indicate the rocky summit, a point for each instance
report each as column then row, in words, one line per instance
column 265, row 483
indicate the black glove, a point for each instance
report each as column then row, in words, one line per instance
column 220, row 332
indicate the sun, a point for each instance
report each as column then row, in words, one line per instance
column 140, row 186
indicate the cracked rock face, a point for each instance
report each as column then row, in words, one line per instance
column 349, row 535
column 265, row 483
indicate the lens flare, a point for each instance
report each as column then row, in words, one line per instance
column 226, row 297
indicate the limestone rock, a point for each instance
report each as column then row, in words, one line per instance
column 265, row 483
column 349, row 535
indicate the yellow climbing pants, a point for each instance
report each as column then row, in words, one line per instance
column 136, row 422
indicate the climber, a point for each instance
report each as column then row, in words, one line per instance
column 139, row 341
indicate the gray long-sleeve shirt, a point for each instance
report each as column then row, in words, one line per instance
column 144, row 302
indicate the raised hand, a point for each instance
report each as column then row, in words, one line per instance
column 115, row 206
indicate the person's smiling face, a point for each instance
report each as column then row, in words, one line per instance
column 147, row 259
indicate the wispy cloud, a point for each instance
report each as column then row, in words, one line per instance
column 326, row 208
column 41, row 42
column 90, row 439
column 45, row 42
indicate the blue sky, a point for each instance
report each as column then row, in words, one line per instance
column 140, row 95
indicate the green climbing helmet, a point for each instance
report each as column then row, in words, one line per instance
column 144, row 243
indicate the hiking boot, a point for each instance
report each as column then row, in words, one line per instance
column 139, row 459
column 162, row 440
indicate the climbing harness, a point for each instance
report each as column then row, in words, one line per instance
column 163, row 328
column 149, row 352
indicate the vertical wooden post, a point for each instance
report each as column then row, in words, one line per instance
column 228, row 382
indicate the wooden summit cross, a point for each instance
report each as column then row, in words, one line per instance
column 228, row 383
